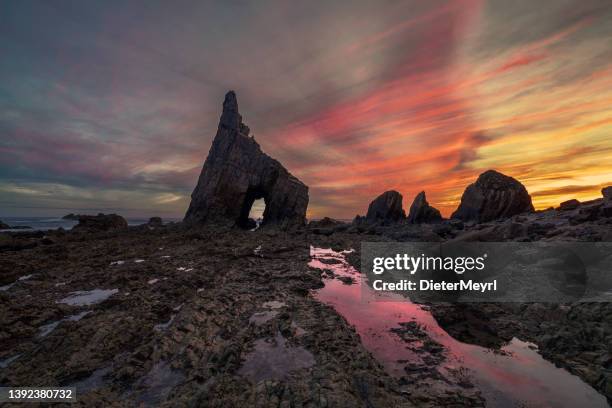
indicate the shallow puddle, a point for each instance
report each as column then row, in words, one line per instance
column 164, row 326
column 517, row 377
column 94, row 381
column 273, row 359
column 46, row 329
column 88, row 297
column 260, row 318
column 10, row 285
column 158, row 383
column 7, row 361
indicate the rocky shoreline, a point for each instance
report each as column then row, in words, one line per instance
column 217, row 312
column 184, row 316
column 180, row 322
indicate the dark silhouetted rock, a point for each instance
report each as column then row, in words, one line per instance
column 386, row 207
column 4, row 226
column 491, row 197
column 569, row 205
column 237, row 172
column 606, row 192
column 155, row 222
column 421, row 212
column 324, row 222
column 71, row 216
column 100, row 222
column 327, row 226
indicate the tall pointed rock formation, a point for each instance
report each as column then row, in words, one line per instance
column 237, row 172
column 421, row 212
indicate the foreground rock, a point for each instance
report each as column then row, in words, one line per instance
column 186, row 312
column 237, row 172
column 387, row 207
column 493, row 196
column 100, row 222
column 421, row 212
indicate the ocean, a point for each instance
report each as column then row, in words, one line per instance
column 50, row 223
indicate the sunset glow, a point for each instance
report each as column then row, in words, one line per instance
column 354, row 100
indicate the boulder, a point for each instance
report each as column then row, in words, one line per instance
column 606, row 192
column 100, row 222
column 493, row 196
column 71, row 216
column 569, row 205
column 386, row 207
column 155, row 222
column 4, row 226
column 324, row 222
column 421, row 212
column 237, row 172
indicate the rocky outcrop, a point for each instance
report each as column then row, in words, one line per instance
column 606, row 192
column 569, row 205
column 324, row 222
column 237, row 172
column 386, row 207
column 155, row 222
column 71, row 216
column 4, row 226
column 493, row 196
column 421, row 212
column 100, row 222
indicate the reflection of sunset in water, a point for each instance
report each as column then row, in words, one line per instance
column 518, row 375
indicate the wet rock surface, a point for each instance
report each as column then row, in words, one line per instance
column 171, row 316
column 203, row 286
column 237, row 172
column 493, row 196
column 100, row 222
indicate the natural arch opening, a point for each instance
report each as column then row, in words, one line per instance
column 253, row 207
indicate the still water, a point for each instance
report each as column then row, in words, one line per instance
column 516, row 377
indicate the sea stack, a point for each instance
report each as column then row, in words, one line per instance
column 387, row 207
column 237, row 172
column 493, row 196
column 421, row 212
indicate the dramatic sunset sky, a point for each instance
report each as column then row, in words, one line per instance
column 112, row 105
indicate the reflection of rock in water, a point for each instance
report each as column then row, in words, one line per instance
column 410, row 344
column 274, row 359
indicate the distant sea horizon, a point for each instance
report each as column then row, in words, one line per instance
column 42, row 223
column 46, row 223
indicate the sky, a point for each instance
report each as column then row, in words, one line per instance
column 112, row 105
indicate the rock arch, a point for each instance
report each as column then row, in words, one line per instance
column 237, row 172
